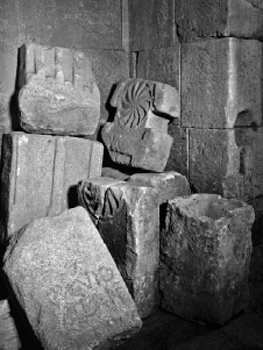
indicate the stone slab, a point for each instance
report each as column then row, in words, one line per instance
column 161, row 65
column 80, row 303
column 226, row 74
column 40, row 175
column 127, row 218
column 198, row 19
column 169, row 184
column 114, row 173
column 9, row 339
column 151, row 24
column 58, row 92
column 138, row 135
column 205, row 253
column 227, row 162
column 76, row 24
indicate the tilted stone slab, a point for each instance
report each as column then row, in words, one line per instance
column 221, row 83
column 205, row 253
column 70, row 290
column 9, row 339
column 128, row 222
column 169, row 184
column 228, row 162
column 40, row 175
column 138, row 136
column 216, row 18
column 58, row 92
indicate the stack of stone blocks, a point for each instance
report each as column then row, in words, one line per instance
column 211, row 52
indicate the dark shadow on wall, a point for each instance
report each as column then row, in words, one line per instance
column 73, row 197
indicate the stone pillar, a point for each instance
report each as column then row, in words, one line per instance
column 205, row 253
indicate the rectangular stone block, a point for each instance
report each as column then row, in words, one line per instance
column 127, row 218
column 81, row 301
column 109, row 67
column 89, row 24
column 227, row 162
column 221, row 83
column 168, row 185
column 205, row 254
column 40, row 175
column 179, row 155
column 58, row 92
column 161, row 65
column 151, row 24
column 197, row 19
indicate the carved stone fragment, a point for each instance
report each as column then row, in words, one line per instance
column 216, row 18
column 168, row 185
column 128, row 221
column 81, row 301
column 138, row 136
column 205, row 254
column 221, row 83
column 40, row 175
column 58, row 93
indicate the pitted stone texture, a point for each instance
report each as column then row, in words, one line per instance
column 129, row 225
column 40, row 175
column 9, row 339
column 138, row 136
column 228, row 162
column 168, row 185
column 226, row 74
column 151, row 24
column 161, row 65
column 205, row 254
column 59, row 94
column 197, row 19
column 91, row 195
column 81, row 301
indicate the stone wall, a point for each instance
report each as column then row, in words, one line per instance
column 94, row 27
column 211, row 51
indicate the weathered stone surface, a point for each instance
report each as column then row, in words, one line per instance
column 114, row 174
column 79, row 302
column 221, row 83
column 59, row 94
column 65, row 23
column 91, row 195
column 161, row 65
column 40, row 175
column 151, row 24
column 138, row 136
column 216, row 18
column 9, row 339
column 179, row 155
column 108, row 67
column 129, row 225
column 168, row 185
column 228, row 162
column 205, row 254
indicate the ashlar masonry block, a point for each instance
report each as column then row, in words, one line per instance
column 40, row 175
column 138, row 136
column 129, row 225
column 197, row 19
column 221, row 83
column 81, row 301
column 205, row 254
column 58, row 92
column 228, row 162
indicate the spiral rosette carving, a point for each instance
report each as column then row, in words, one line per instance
column 135, row 104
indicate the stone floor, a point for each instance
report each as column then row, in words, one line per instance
column 163, row 331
